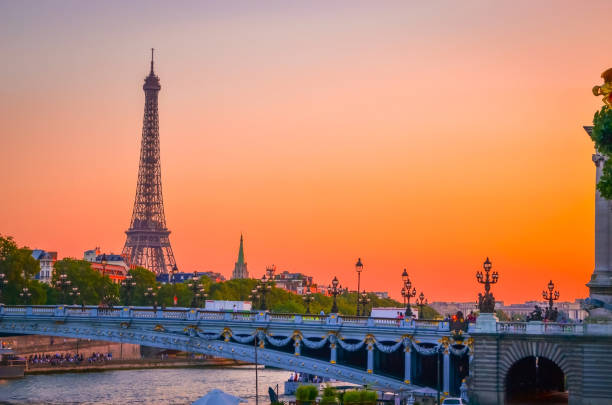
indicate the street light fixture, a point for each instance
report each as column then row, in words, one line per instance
column 128, row 284
column 486, row 302
column 421, row 301
column 197, row 290
column 74, row 293
column 308, row 298
column 26, row 295
column 407, row 292
column 358, row 269
column 334, row 289
column 103, row 261
column 550, row 296
column 3, row 283
column 63, row 284
column 364, row 300
column 172, row 274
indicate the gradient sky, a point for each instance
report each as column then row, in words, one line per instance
column 425, row 136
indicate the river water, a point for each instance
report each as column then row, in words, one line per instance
column 150, row 386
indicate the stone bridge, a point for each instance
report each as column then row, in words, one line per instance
column 501, row 361
column 385, row 353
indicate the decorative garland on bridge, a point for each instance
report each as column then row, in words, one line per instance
column 458, row 352
column 313, row 344
column 390, row 348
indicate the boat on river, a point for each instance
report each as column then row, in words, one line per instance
column 11, row 365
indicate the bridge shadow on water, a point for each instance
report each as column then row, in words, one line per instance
column 536, row 380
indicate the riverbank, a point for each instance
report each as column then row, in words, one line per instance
column 114, row 365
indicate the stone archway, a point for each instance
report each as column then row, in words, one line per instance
column 535, row 368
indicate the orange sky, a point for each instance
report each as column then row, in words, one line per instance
column 418, row 136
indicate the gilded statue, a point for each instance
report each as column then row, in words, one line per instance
column 605, row 90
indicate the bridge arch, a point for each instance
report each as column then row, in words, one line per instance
column 522, row 357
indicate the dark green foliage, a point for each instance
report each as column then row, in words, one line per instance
column 91, row 284
column 501, row 315
column 306, row 393
column 19, row 267
column 329, row 396
column 602, row 136
column 429, row 313
column 602, row 131
column 354, row 397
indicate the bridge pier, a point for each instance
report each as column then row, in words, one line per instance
column 370, row 365
column 407, row 365
column 446, row 379
column 333, row 351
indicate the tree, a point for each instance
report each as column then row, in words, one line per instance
column 19, row 267
column 602, row 137
column 93, row 286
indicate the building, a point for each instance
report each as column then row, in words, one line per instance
column 240, row 268
column 573, row 310
column 115, row 272
column 381, row 294
column 451, row 308
column 95, row 256
column 46, row 260
column 180, row 277
column 296, row 283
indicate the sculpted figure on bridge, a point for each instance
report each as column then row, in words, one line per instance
column 605, row 89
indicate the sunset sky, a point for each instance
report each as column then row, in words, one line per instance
column 424, row 136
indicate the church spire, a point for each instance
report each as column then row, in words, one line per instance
column 241, row 251
column 240, row 268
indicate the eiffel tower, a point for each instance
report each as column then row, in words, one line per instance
column 147, row 244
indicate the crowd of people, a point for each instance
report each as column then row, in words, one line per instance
column 58, row 359
column 304, row 377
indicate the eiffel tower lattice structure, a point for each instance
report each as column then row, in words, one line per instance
column 148, row 244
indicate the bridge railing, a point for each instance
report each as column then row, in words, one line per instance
column 176, row 313
column 536, row 327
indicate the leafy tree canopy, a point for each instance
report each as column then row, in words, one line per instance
column 602, row 137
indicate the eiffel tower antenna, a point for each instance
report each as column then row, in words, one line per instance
column 147, row 244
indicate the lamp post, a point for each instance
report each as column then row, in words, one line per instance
column 74, row 293
column 358, row 269
column 264, row 286
column 334, row 289
column 26, row 295
column 128, row 284
column 407, row 292
column 550, row 296
column 63, row 284
column 421, row 301
column 150, row 295
column 172, row 273
column 363, row 300
column 197, row 291
column 3, row 283
column 486, row 302
column 308, row 298
column 103, row 262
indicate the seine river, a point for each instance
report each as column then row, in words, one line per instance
column 150, row 386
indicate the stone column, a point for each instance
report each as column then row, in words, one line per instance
column 446, row 380
column 407, row 364
column 370, row 358
column 332, row 350
column 298, row 346
column 600, row 285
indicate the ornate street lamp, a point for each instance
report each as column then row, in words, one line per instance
column 3, row 283
column 407, row 292
column 421, row 301
column 63, row 284
column 74, row 293
column 103, row 262
column 151, row 294
column 334, row 289
column 358, row 269
column 197, row 290
column 26, row 295
column 550, row 296
column 128, row 285
column 172, row 280
column 486, row 302
column 364, row 300
column 308, row 298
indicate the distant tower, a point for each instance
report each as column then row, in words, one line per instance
column 240, row 268
column 147, row 242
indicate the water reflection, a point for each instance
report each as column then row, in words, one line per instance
column 152, row 386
